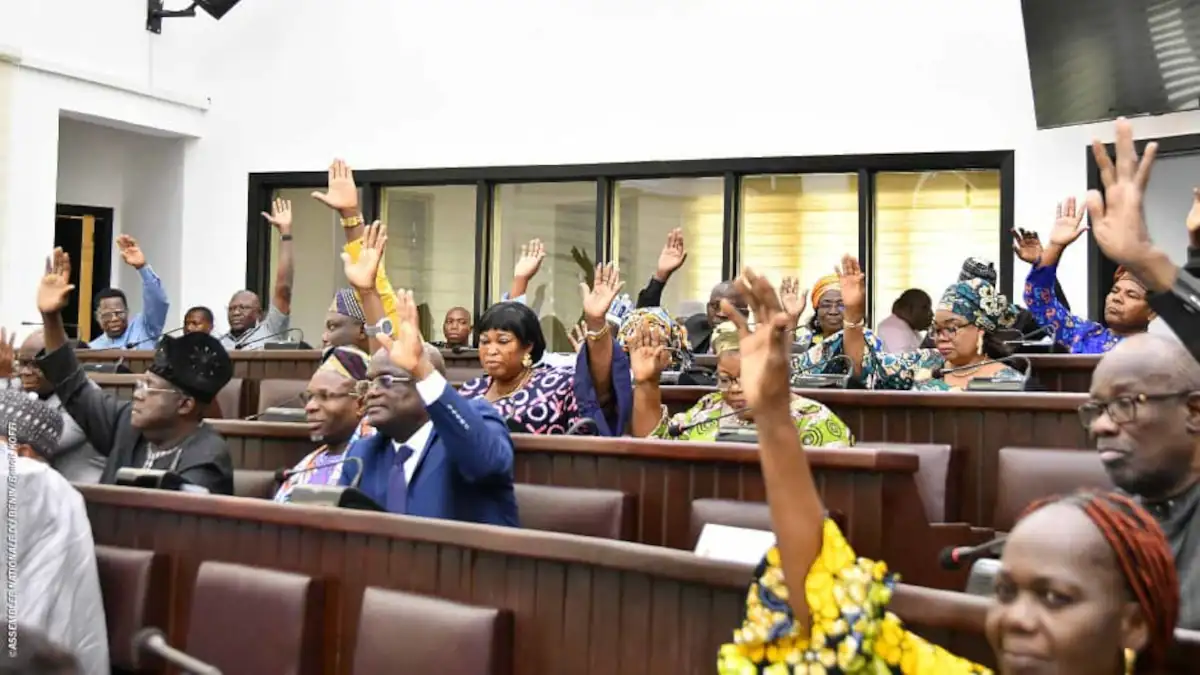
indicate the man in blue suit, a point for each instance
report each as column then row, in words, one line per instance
column 436, row 454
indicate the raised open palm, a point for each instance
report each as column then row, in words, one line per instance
column 854, row 285
column 530, row 260
column 1068, row 224
column 361, row 273
column 54, row 291
column 795, row 300
column 341, row 193
column 131, row 253
column 673, row 255
column 1027, row 245
column 281, row 215
column 1117, row 218
column 766, row 350
column 407, row 350
column 605, row 287
column 648, row 356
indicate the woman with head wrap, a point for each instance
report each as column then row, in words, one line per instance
column 333, row 411
column 651, row 348
column 827, row 306
column 965, row 326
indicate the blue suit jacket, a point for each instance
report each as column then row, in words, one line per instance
column 465, row 472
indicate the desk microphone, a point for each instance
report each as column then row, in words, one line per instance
column 282, row 475
column 152, row 640
column 954, row 557
column 991, row 383
column 806, row 379
column 274, row 409
column 675, row 430
column 155, row 339
column 582, row 423
column 243, row 345
column 39, row 323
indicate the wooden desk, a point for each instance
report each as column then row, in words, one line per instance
column 261, row 364
column 875, row 489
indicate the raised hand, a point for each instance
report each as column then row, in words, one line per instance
column 577, row 335
column 131, row 253
column 648, row 356
column 1027, row 245
column 766, row 350
column 854, row 288
column 55, row 288
column 1068, row 224
column 596, row 301
column 407, row 351
column 1193, row 219
column 341, row 194
column 280, row 216
column 795, row 301
column 1118, row 221
column 362, row 273
column 672, row 257
column 8, row 354
column 530, row 260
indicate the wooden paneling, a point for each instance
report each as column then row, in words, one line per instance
column 876, row 490
column 252, row 365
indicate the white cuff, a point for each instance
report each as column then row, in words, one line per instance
column 430, row 389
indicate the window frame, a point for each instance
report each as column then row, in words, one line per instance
column 607, row 176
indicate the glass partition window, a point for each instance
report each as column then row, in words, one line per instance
column 431, row 248
column 926, row 225
column 563, row 216
column 317, row 240
column 798, row 225
column 645, row 211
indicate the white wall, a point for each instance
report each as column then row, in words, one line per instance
column 401, row 83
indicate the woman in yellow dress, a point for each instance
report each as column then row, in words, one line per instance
column 1087, row 585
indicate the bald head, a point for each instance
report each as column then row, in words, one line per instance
column 33, row 344
column 726, row 290
column 32, row 378
column 1157, row 360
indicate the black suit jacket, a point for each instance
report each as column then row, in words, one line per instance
column 203, row 460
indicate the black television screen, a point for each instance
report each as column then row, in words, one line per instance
column 1092, row 60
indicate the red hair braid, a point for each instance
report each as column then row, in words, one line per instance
column 1145, row 559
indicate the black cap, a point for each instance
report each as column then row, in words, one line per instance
column 195, row 362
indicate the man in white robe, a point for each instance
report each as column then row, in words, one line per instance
column 45, row 520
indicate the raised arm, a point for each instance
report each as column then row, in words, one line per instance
column 599, row 340
column 673, row 255
column 648, row 357
column 155, row 303
column 797, row 514
column 361, row 275
column 1041, row 286
column 96, row 412
column 526, row 268
column 280, row 218
column 854, row 317
column 475, row 437
column 342, row 196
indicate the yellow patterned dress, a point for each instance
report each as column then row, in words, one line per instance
column 852, row 631
column 817, row 425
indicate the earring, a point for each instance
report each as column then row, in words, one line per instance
column 979, row 344
column 527, row 361
column 1130, row 661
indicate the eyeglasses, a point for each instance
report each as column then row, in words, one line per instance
column 950, row 330
column 390, row 381
column 144, row 385
column 727, row 382
column 831, row 307
column 242, row 308
column 25, row 365
column 105, row 316
column 360, row 388
column 715, row 305
column 1123, row 409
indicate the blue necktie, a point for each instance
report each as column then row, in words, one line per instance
column 397, row 493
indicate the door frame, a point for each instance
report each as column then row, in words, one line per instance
column 95, row 275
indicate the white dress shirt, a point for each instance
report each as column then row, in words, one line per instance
column 430, row 390
column 897, row 336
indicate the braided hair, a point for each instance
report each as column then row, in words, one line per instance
column 1144, row 557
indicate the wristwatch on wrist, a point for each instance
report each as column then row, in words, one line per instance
column 1187, row 289
column 384, row 326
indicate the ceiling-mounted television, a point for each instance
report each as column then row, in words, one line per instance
column 1092, row 60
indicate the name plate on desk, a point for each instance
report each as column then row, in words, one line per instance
column 991, row 384
column 737, row 436
column 733, row 544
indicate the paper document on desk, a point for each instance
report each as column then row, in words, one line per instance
column 734, row 544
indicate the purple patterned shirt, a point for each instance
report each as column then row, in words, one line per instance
column 545, row 405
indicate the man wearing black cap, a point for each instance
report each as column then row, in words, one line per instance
column 162, row 428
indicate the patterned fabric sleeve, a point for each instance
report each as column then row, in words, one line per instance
column 852, row 632
column 708, row 406
column 903, row 371
column 1042, row 301
column 818, row 426
column 821, row 357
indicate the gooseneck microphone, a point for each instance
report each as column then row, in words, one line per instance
column 675, row 430
column 154, row 641
column 156, row 338
column 988, row 383
column 581, row 424
column 266, row 338
column 806, row 378
column 282, row 475
column 955, row 557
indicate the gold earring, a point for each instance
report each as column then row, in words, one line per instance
column 979, row 344
column 1130, row 661
column 527, row 361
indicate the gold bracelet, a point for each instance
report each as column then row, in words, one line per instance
column 353, row 221
column 854, row 324
column 593, row 336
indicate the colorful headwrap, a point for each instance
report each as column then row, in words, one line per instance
column 345, row 302
column 978, row 302
column 825, row 284
column 349, row 362
column 658, row 322
column 725, row 338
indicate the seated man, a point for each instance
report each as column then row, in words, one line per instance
column 345, row 322
column 73, row 457
column 435, row 454
column 333, row 409
column 700, row 326
column 58, row 585
column 112, row 309
column 248, row 328
column 198, row 320
column 162, row 428
column 457, row 329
